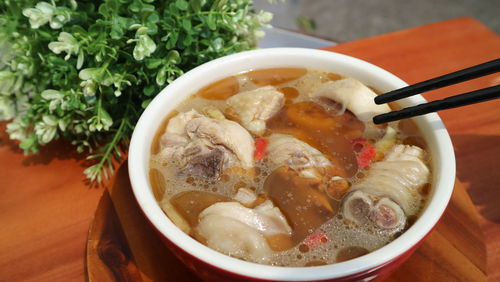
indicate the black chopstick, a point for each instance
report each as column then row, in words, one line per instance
column 441, row 81
column 443, row 104
column 438, row 82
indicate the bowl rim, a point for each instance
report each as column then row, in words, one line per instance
column 440, row 145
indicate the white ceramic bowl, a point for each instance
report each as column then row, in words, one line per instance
column 209, row 263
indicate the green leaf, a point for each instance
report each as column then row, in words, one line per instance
column 186, row 24
column 153, row 18
column 152, row 28
column 172, row 10
column 135, row 6
column 187, row 40
column 147, row 8
column 196, row 5
column 44, row 35
column 173, row 57
column 145, row 103
column 149, row 90
column 211, row 22
column 182, row 4
column 29, row 144
column 161, row 76
column 119, row 25
column 153, row 63
column 171, row 38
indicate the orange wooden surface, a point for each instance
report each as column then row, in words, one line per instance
column 45, row 213
column 46, row 207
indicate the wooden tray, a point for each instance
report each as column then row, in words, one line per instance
column 122, row 246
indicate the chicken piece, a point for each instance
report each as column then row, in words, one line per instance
column 225, row 133
column 175, row 131
column 353, row 95
column 287, row 150
column 234, row 238
column 266, row 218
column 238, row 231
column 399, row 176
column 172, row 140
column 202, row 159
column 204, row 146
column 388, row 215
column 256, row 106
column 177, row 124
column 357, row 206
column 393, row 184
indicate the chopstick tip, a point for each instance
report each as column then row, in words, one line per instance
column 378, row 100
column 378, row 120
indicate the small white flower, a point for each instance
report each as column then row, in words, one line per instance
column 46, row 13
column 259, row 34
column 7, row 108
column 79, row 128
column 55, row 97
column 89, row 87
column 58, row 21
column 22, row 102
column 51, row 94
column 100, row 122
column 62, row 124
column 79, row 61
column 218, row 43
column 23, row 67
column 264, row 17
column 66, row 43
column 90, row 74
column 49, row 120
column 40, row 15
column 7, row 81
column 46, row 129
column 17, row 129
column 117, row 80
column 145, row 46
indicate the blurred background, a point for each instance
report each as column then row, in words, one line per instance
column 346, row 20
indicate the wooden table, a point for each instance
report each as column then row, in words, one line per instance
column 46, row 207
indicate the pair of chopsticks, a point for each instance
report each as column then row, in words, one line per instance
column 439, row 82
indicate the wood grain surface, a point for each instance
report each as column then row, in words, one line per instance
column 46, row 207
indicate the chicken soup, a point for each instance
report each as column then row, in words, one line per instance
column 285, row 167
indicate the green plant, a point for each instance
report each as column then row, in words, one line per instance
column 85, row 71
